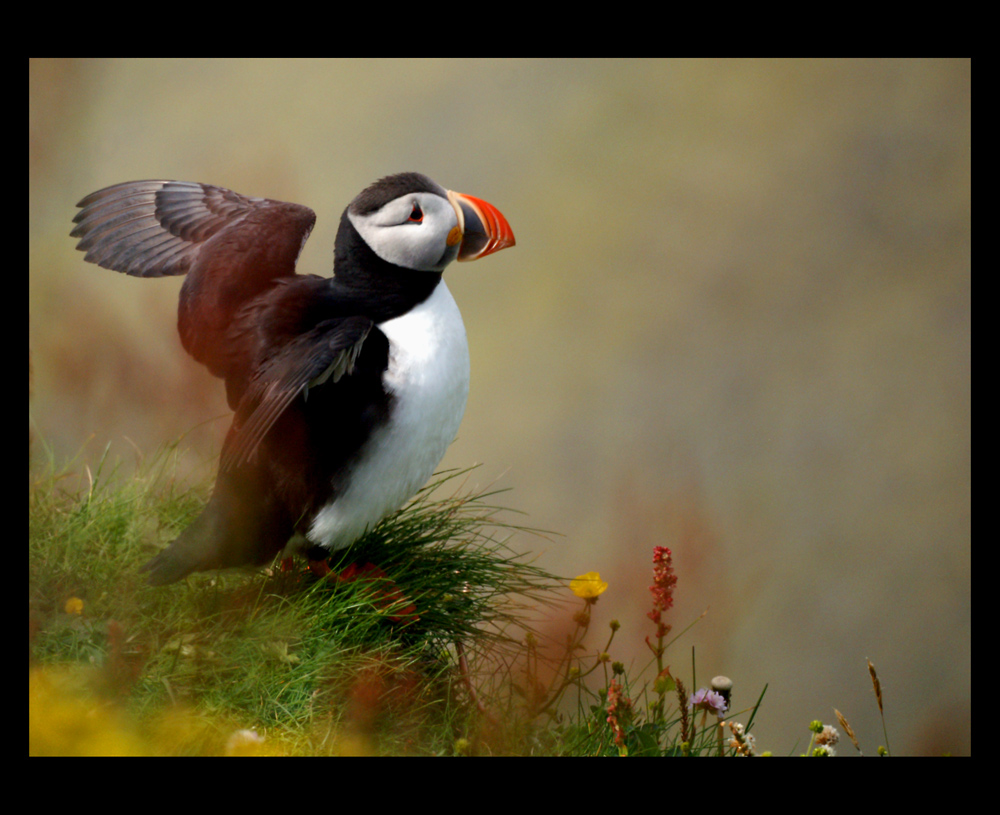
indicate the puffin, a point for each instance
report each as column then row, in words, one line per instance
column 346, row 391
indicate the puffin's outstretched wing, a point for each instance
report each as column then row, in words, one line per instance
column 326, row 352
column 156, row 228
column 231, row 247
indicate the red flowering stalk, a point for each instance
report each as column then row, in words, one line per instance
column 662, row 590
column 619, row 711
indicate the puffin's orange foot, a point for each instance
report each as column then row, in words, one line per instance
column 387, row 593
column 320, row 568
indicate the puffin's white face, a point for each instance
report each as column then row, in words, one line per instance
column 419, row 230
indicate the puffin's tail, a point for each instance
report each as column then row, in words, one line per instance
column 241, row 526
column 194, row 551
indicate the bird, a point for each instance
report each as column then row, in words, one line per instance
column 346, row 391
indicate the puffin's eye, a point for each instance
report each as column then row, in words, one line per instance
column 417, row 215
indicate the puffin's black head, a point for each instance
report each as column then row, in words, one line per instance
column 409, row 221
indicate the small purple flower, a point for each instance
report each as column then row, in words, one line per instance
column 705, row 699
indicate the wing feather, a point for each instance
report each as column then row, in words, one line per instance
column 327, row 352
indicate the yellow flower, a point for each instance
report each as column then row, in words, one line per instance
column 588, row 586
column 74, row 605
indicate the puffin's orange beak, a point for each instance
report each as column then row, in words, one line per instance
column 484, row 229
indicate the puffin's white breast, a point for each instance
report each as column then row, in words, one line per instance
column 428, row 376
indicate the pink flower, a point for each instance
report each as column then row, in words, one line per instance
column 619, row 708
column 705, row 699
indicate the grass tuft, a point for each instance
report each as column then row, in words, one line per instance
column 363, row 659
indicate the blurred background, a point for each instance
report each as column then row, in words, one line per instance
column 737, row 323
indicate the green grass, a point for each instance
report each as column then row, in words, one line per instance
column 430, row 651
column 308, row 661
